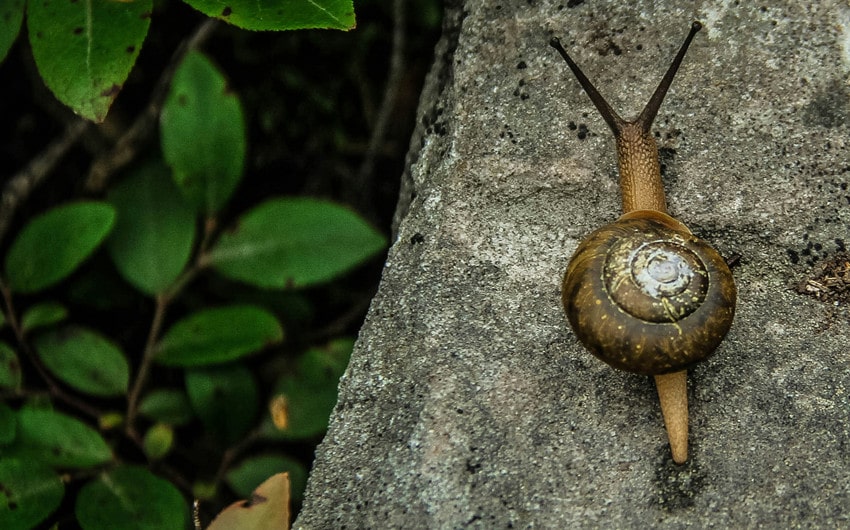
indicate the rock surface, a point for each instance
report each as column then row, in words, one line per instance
column 469, row 403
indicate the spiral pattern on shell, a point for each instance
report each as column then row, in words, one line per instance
column 647, row 298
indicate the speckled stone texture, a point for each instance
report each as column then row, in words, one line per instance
column 470, row 404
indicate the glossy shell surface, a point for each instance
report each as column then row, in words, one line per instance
column 648, row 298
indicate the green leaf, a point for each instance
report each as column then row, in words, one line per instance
column 158, row 441
column 10, row 367
column 85, row 360
column 58, row 440
column 8, row 424
column 167, row 406
column 264, row 15
column 310, row 392
column 154, row 231
column 55, row 243
column 131, row 498
column 294, row 243
column 202, row 129
column 85, row 50
column 11, row 16
column 250, row 473
column 43, row 315
column 218, row 335
column 30, row 492
column 225, row 398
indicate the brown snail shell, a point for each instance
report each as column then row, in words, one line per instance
column 645, row 295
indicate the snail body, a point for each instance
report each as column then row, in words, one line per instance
column 643, row 293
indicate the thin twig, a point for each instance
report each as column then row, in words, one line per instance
column 232, row 453
column 145, row 365
column 163, row 300
column 135, row 138
column 385, row 114
column 19, row 187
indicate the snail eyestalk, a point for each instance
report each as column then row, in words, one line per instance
column 647, row 116
column 608, row 114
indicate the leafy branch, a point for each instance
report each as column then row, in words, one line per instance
column 158, row 228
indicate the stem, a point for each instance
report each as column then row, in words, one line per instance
column 10, row 314
column 144, row 367
column 162, row 301
column 180, row 283
column 233, row 453
column 673, row 394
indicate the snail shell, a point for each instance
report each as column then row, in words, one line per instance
column 645, row 295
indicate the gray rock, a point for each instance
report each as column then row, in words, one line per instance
column 469, row 402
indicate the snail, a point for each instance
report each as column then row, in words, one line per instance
column 644, row 294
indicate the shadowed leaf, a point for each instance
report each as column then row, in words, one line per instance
column 169, row 406
column 10, row 367
column 30, row 492
column 85, row 360
column 131, row 498
column 43, row 315
column 154, row 231
column 251, row 472
column 310, row 391
column 225, row 398
column 58, row 440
